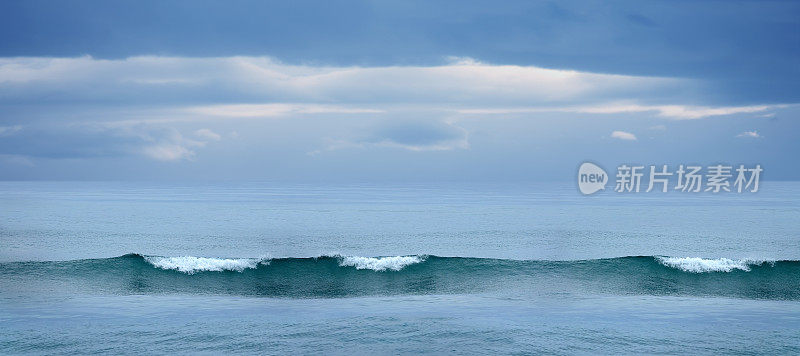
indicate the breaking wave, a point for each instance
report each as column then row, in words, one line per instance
column 346, row 276
column 394, row 263
column 190, row 264
column 702, row 265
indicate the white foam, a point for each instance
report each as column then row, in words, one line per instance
column 190, row 264
column 394, row 263
column 701, row 265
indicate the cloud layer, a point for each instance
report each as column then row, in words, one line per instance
column 173, row 108
column 264, row 80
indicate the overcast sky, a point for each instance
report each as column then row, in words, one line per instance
column 393, row 91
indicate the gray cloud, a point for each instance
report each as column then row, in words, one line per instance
column 9, row 130
column 95, row 140
column 420, row 135
column 179, row 81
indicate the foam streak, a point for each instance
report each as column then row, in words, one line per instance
column 394, row 263
column 702, row 265
column 191, row 265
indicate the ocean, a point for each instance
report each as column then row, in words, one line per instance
column 267, row 268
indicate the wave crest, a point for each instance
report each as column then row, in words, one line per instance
column 702, row 265
column 394, row 263
column 191, row 265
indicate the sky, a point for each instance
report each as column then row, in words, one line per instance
column 393, row 91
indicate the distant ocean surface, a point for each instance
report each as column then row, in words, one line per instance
column 448, row 268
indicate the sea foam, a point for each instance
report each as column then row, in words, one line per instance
column 702, row 265
column 190, row 264
column 394, row 263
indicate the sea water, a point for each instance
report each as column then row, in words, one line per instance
column 391, row 268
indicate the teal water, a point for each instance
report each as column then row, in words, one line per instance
column 466, row 269
column 340, row 277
